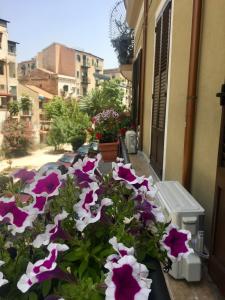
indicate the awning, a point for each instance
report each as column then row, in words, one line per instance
column 5, row 94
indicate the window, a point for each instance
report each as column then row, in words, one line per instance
column 2, row 87
column 93, row 62
column 65, row 88
column 78, row 92
column 13, row 90
column 84, row 91
column 96, row 62
column 12, row 47
column 12, row 70
column 78, row 74
column 1, row 39
column 3, row 102
column 1, row 67
column 78, row 57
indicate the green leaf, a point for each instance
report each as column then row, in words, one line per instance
column 33, row 296
column 74, row 255
column 46, row 287
column 83, row 266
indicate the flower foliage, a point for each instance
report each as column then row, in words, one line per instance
column 83, row 235
column 106, row 126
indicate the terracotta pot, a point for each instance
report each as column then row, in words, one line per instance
column 109, row 151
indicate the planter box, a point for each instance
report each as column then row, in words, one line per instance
column 109, row 151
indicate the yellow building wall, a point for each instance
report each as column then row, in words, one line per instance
column 211, row 76
column 177, row 89
column 23, row 90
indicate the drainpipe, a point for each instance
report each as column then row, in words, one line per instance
column 143, row 69
column 192, row 93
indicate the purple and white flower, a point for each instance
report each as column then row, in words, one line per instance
column 145, row 185
column 43, row 269
column 106, row 115
column 2, row 280
column 88, row 198
column 87, row 165
column 39, row 204
column 93, row 215
column 24, row 175
column 120, row 249
column 125, row 173
column 127, row 280
column 18, row 218
column 47, row 185
column 148, row 212
column 52, row 231
column 175, row 241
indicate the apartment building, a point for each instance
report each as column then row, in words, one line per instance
column 8, row 74
column 62, row 71
column 178, row 83
column 125, row 84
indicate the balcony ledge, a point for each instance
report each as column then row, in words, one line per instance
column 126, row 71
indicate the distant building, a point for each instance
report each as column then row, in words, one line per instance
column 62, row 71
column 36, row 116
column 8, row 74
column 127, row 86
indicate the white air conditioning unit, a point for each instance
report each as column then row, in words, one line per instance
column 131, row 141
column 179, row 207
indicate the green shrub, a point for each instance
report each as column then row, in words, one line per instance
column 108, row 96
column 17, row 137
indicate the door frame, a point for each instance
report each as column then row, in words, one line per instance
column 212, row 260
column 158, row 14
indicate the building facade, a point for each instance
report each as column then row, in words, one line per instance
column 62, row 71
column 178, row 69
column 8, row 71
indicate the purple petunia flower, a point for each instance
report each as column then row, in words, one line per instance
column 145, row 185
column 124, row 173
column 175, row 242
column 127, row 280
column 88, row 198
column 87, row 165
column 47, row 185
column 2, row 280
column 120, row 249
column 24, row 175
column 149, row 212
column 52, row 232
column 17, row 217
column 92, row 215
column 43, row 269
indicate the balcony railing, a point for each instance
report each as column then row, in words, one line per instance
column 85, row 80
column 85, row 64
column 45, row 125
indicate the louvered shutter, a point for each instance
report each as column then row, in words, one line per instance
column 136, row 86
column 159, row 97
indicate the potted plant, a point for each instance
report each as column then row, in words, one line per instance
column 25, row 104
column 82, row 235
column 106, row 131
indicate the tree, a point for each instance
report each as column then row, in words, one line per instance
column 13, row 108
column 69, row 123
column 109, row 95
column 17, row 137
column 25, row 103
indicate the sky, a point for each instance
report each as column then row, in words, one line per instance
column 82, row 24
